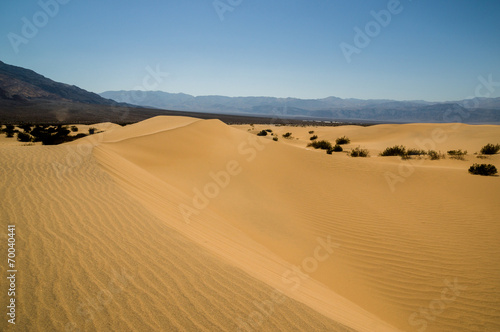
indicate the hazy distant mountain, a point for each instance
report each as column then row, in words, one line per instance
column 478, row 110
column 27, row 97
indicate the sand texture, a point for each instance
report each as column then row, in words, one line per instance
column 181, row 224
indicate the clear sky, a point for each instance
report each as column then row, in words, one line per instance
column 427, row 49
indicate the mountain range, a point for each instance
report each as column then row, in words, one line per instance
column 26, row 96
column 478, row 110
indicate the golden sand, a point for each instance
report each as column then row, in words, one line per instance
column 184, row 224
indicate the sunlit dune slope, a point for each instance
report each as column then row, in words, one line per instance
column 91, row 258
column 399, row 246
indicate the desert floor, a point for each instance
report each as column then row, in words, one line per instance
column 181, row 224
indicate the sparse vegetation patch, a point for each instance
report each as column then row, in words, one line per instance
column 483, row 169
column 342, row 140
column 23, row 137
column 433, row 155
column 324, row 145
column 415, row 152
column 396, row 150
column 358, row 152
column 457, row 154
column 262, row 133
column 490, row 149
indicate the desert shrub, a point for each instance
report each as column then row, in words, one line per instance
column 490, row 149
column 80, row 135
column 483, row 169
column 25, row 127
column 62, row 131
column 335, row 148
column 433, row 155
column 396, row 150
column 457, row 154
column 481, row 157
column 312, row 138
column 51, row 135
column 92, row 131
column 287, row 135
column 23, row 137
column 262, row 133
column 342, row 140
column 9, row 131
column 415, row 152
column 269, row 130
column 74, row 129
column 324, row 145
column 358, row 152
column 275, row 139
column 311, row 131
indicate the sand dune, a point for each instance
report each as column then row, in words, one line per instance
column 185, row 224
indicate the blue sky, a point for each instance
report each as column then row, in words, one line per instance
column 431, row 50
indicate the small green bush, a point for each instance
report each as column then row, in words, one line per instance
column 311, row 132
column 358, row 152
column 342, row 140
column 287, row 135
column 483, row 169
column 269, row 130
column 396, row 150
column 337, row 148
column 490, row 149
column 23, row 137
column 312, row 138
column 324, row 145
column 275, row 139
column 74, row 129
column 92, row 131
column 262, row 133
column 457, row 154
column 433, row 155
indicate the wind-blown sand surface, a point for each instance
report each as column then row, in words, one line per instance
column 183, row 224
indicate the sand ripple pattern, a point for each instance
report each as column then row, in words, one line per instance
column 90, row 258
